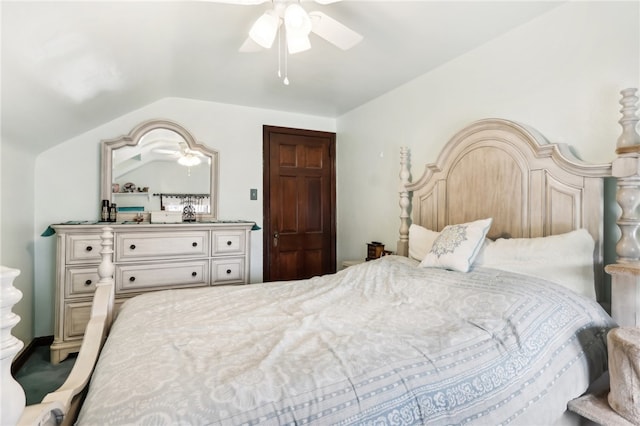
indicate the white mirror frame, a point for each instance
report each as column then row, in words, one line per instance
column 133, row 138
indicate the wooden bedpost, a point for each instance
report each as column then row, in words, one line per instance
column 625, row 273
column 405, row 204
column 13, row 398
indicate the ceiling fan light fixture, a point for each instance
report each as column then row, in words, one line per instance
column 264, row 30
column 189, row 160
column 296, row 20
column 297, row 26
column 297, row 44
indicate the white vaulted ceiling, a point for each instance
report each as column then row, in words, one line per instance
column 68, row 67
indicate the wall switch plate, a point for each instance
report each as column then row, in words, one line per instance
column 253, row 194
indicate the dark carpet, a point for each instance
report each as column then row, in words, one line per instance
column 38, row 376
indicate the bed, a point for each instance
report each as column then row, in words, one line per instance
column 487, row 314
column 388, row 341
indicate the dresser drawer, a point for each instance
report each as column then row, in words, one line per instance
column 228, row 270
column 81, row 281
column 132, row 246
column 228, row 242
column 153, row 276
column 83, row 248
column 77, row 314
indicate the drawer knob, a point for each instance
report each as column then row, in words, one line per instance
column 89, row 248
column 194, row 244
column 193, row 274
column 228, row 271
column 132, row 279
column 229, row 243
column 132, row 246
column 87, row 283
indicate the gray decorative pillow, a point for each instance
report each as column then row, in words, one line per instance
column 457, row 246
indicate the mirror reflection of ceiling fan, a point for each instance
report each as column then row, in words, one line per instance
column 288, row 17
column 185, row 156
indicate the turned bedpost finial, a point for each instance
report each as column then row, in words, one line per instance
column 106, row 268
column 629, row 140
column 625, row 169
column 13, row 399
column 405, row 179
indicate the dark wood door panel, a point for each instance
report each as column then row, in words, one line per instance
column 287, row 267
column 315, row 213
column 287, row 155
column 299, row 203
column 285, row 201
column 299, row 263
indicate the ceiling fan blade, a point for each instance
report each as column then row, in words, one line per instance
column 333, row 31
column 165, row 151
column 193, row 153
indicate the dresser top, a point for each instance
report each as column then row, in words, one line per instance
column 132, row 226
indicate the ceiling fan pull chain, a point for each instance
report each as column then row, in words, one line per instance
column 286, row 69
column 279, row 52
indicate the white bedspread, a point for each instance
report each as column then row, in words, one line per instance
column 383, row 342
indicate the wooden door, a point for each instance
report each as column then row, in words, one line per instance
column 299, row 203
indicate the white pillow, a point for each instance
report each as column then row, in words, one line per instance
column 420, row 241
column 457, row 246
column 566, row 259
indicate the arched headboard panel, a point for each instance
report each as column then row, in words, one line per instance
column 504, row 170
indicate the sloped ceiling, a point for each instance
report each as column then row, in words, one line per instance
column 68, row 67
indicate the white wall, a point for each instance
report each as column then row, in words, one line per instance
column 560, row 73
column 16, row 228
column 67, row 177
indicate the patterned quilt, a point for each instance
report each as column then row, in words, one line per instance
column 380, row 343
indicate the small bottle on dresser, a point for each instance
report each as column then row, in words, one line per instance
column 113, row 213
column 104, row 215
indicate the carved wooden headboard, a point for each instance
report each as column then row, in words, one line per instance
column 505, row 170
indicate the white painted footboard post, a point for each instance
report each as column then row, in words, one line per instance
column 13, row 399
column 625, row 273
column 405, row 203
column 106, row 270
column 62, row 405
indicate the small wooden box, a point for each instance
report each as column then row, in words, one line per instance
column 375, row 250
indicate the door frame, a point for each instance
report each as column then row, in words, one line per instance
column 266, row 192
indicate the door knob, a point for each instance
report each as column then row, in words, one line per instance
column 276, row 236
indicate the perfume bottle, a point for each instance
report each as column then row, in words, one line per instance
column 104, row 215
column 113, row 212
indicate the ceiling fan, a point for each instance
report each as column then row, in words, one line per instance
column 290, row 18
column 186, row 157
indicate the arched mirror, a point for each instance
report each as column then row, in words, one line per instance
column 159, row 166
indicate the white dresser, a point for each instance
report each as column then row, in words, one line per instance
column 147, row 257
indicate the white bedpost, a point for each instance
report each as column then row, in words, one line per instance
column 62, row 405
column 405, row 176
column 13, row 399
column 625, row 280
column 106, row 270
